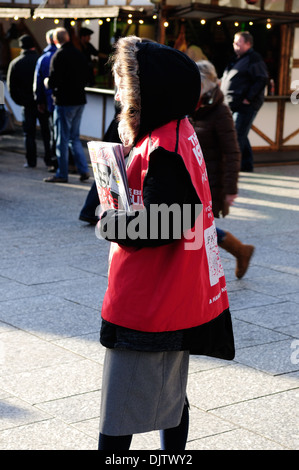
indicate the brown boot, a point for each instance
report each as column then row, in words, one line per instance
column 242, row 253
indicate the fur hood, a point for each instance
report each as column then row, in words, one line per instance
column 162, row 85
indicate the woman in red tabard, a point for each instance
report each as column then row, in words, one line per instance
column 166, row 295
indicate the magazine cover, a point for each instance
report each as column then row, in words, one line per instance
column 110, row 174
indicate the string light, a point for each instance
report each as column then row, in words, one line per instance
column 250, row 23
column 203, row 21
column 218, row 23
column 236, row 24
column 108, row 19
column 166, row 24
column 73, row 23
column 87, row 21
column 56, row 21
column 100, row 22
column 155, row 17
column 141, row 21
column 130, row 21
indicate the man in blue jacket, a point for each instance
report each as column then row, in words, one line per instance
column 243, row 85
column 45, row 104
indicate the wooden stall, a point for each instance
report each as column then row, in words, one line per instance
column 209, row 24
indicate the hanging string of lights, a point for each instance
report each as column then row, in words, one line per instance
column 131, row 20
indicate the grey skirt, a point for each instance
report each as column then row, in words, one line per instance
column 142, row 391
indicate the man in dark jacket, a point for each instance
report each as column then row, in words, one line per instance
column 20, row 85
column 68, row 77
column 243, row 84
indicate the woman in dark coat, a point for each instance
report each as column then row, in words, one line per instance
column 217, row 136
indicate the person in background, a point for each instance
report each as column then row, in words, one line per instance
column 216, row 133
column 67, row 79
column 195, row 53
column 44, row 99
column 20, row 76
column 243, row 85
column 164, row 300
column 89, row 51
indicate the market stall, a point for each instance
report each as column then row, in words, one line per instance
column 208, row 25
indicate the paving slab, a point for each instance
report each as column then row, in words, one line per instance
column 238, row 439
column 274, row 316
column 54, row 382
column 16, row 413
column 274, row 358
column 50, row 434
column 247, row 335
column 50, row 317
column 215, row 388
column 24, row 351
column 258, row 415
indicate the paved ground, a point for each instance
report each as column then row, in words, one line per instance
column 53, row 275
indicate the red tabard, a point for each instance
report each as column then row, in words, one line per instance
column 179, row 285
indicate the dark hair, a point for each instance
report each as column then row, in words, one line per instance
column 26, row 42
column 246, row 36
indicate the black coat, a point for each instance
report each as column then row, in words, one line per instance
column 215, row 129
column 245, row 78
column 68, row 76
column 20, row 76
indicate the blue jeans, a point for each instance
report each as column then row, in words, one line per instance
column 243, row 119
column 220, row 235
column 67, row 121
column 91, row 203
column 47, row 132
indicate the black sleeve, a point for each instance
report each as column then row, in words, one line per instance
column 14, row 84
column 167, row 183
column 259, row 77
column 58, row 70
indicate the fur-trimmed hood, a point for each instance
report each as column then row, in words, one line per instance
column 162, row 84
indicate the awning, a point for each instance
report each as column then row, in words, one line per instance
column 197, row 11
column 12, row 12
column 96, row 12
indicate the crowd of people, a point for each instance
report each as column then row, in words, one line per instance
column 51, row 88
column 186, row 133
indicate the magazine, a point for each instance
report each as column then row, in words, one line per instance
column 108, row 164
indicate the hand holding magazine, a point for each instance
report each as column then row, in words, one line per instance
column 108, row 164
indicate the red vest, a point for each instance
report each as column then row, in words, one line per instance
column 179, row 285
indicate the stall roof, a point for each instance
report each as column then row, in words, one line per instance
column 96, row 12
column 12, row 12
column 208, row 12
